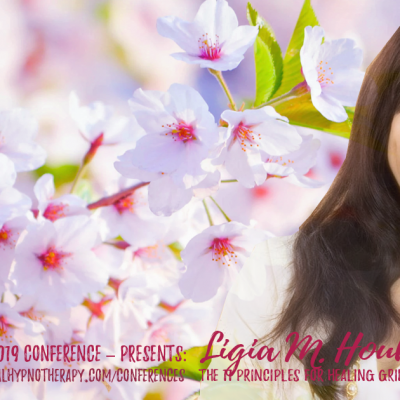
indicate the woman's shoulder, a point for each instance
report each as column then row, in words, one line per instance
column 258, row 292
column 267, row 271
column 280, row 247
column 273, row 254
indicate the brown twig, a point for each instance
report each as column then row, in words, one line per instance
column 109, row 200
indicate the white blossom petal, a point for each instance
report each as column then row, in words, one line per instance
column 165, row 197
column 26, row 156
column 346, row 87
column 329, row 107
column 8, row 174
column 44, row 188
column 331, row 72
column 97, row 119
column 208, row 186
column 247, row 167
column 240, row 41
column 125, row 167
column 180, row 31
column 75, row 233
column 217, row 18
column 158, row 153
column 201, row 282
column 13, row 204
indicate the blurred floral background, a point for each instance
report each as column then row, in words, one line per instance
column 104, row 50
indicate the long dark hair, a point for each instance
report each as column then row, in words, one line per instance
column 346, row 255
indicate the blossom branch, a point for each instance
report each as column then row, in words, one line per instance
column 109, row 200
column 220, row 209
column 208, row 213
column 120, row 244
column 299, row 90
column 94, row 146
column 169, row 307
column 78, row 176
column 221, row 80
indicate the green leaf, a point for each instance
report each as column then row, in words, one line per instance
column 103, row 11
column 301, row 112
column 268, row 58
column 85, row 190
column 62, row 174
column 252, row 15
column 153, row 396
column 192, row 365
column 291, row 63
column 176, row 248
column 350, row 112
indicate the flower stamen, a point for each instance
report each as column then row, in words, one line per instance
column 282, row 160
column 223, row 251
column 8, row 237
column 55, row 211
column 246, row 136
column 4, row 235
column 147, row 252
column 52, row 259
column 125, row 204
column 322, row 75
column 3, row 326
column 6, row 331
column 160, row 335
column 181, row 131
column 209, row 50
column 33, row 315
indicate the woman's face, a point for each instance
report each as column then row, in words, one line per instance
column 394, row 147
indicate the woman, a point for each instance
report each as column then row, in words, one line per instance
column 340, row 272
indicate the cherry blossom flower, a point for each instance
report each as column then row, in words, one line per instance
column 63, row 206
column 131, row 218
column 114, row 258
column 55, row 261
column 158, row 263
column 252, row 134
column 180, row 133
column 294, row 165
column 164, row 196
column 98, row 124
column 172, row 329
column 13, row 204
column 18, row 129
column 56, row 323
column 213, row 40
column 160, row 283
column 214, row 257
column 331, row 72
column 10, row 232
column 18, row 330
column 7, row 172
column 13, row 220
column 125, row 322
column 174, row 155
